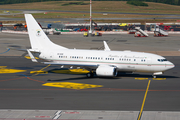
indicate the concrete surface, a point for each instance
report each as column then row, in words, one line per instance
column 23, row 95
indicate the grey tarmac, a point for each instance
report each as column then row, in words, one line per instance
column 117, row 98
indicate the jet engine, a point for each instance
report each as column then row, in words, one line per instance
column 106, row 71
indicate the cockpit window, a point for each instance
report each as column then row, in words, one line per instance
column 165, row 59
column 162, row 60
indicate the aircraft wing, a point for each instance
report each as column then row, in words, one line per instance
column 106, row 47
column 70, row 64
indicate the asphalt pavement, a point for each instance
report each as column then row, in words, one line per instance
column 25, row 85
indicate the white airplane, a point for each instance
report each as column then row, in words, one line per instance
column 102, row 62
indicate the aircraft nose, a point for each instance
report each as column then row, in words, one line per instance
column 170, row 65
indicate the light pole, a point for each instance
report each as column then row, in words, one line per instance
column 90, row 31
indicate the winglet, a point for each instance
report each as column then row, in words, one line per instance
column 31, row 56
column 106, row 47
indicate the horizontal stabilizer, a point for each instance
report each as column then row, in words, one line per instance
column 31, row 56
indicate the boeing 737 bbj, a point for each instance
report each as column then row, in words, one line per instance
column 102, row 62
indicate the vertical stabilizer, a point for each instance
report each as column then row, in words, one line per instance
column 38, row 38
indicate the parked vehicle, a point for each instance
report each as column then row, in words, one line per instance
column 123, row 24
column 85, row 34
column 84, row 29
column 76, row 29
column 19, row 25
column 1, row 24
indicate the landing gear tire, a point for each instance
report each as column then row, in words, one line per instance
column 90, row 75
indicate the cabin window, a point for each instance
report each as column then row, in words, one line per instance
column 143, row 60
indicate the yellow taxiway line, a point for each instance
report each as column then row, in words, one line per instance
column 70, row 85
column 68, row 71
column 71, row 71
column 159, row 78
column 141, row 78
column 4, row 70
column 27, row 57
column 41, row 70
column 148, row 78
column 140, row 113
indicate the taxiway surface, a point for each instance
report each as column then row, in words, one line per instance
column 26, row 90
column 24, row 84
column 35, row 86
column 23, row 90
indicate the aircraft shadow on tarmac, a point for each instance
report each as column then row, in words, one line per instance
column 75, row 78
column 119, row 76
column 24, row 68
column 145, row 75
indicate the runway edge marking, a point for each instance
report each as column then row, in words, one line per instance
column 57, row 115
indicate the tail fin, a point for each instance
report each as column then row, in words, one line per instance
column 38, row 38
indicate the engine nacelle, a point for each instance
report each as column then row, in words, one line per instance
column 106, row 71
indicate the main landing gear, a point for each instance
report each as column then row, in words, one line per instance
column 90, row 74
column 154, row 76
